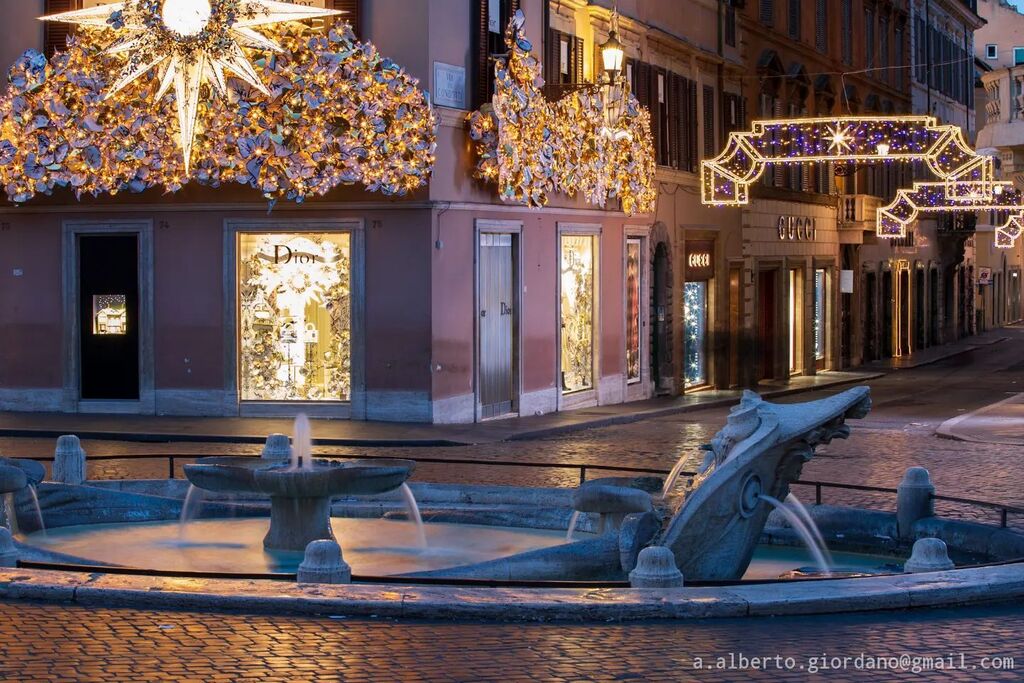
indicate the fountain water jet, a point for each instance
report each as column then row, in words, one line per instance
column 302, row 445
column 572, row 525
column 193, row 499
column 414, row 514
column 38, row 510
column 800, row 509
column 801, row 529
column 673, row 475
column 11, row 511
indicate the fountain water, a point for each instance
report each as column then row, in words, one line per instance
column 39, row 511
column 673, row 475
column 799, row 508
column 12, row 513
column 302, row 444
column 414, row 514
column 193, row 499
column 801, row 529
column 572, row 525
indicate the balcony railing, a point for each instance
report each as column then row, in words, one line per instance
column 859, row 209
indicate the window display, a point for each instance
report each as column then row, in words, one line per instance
column 632, row 311
column 109, row 314
column 820, row 320
column 295, row 317
column 695, row 327
column 577, row 307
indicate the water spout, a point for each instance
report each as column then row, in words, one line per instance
column 12, row 514
column 811, row 525
column 39, row 511
column 193, row 499
column 302, row 444
column 572, row 526
column 673, row 475
column 414, row 514
column 801, row 529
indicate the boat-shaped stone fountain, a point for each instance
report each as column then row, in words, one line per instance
column 301, row 488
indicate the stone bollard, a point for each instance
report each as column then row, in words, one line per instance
column 656, row 568
column 8, row 555
column 914, row 501
column 323, row 564
column 278, row 447
column 928, row 555
column 69, row 461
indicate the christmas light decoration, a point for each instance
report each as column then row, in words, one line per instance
column 934, row 197
column 726, row 179
column 695, row 301
column 532, row 147
column 191, row 42
column 338, row 113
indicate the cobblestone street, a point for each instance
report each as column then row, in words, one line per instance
column 56, row 643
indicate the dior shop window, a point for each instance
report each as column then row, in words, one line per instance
column 577, row 293
column 295, row 316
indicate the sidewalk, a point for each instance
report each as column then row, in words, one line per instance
column 1000, row 423
column 145, row 428
column 935, row 354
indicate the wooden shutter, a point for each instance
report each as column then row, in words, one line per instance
column 821, row 26
column 710, row 143
column 642, row 79
column 691, row 157
column 55, row 36
column 351, row 13
column 481, row 56
column 674, row 85
column 768, row 12
column 794, row 19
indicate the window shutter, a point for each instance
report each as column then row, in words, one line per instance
column 55, row 36
column 577, row 58
column 692, row 156
column 642, row 78
column 351, row 8
column 847, row 31
column 768, row 12
column 821, row 26
column 481, row 61
column 710, row 143
column 794, row 19
column 676, row 115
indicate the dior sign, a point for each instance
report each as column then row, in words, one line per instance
column 797, row 229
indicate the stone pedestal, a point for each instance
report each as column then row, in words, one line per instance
column 323, row 563
column 929, row 555
column 914, row 501
column 278, row 447
column 656, row 568
column 297, row 522
column 69, row 461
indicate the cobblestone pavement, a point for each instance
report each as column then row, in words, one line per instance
column 43, row 643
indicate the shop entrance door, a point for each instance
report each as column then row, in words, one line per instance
column 885, row 312
column 905, row 331
column 499, row 327
column 766, row 309
column 108, row 295
column 661, row 348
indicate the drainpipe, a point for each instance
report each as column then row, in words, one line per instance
column 928, row 47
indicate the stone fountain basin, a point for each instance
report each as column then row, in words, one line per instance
column 327, row 478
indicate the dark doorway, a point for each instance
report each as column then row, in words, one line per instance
column 885, row 313
column 108, row 279
column 933, row 307
column 870, row 317
column 661, row 344
column 906, row 321
column 766, row 309
column 735, row 323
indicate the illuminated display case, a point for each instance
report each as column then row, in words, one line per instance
column 577, row 312
column 820, row 312
column 632, row 311
column 109, row 314
column 695, row 328
column 295, row 317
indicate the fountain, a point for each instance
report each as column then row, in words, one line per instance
column 300, row 490
column 803, row 531
column 17, row 474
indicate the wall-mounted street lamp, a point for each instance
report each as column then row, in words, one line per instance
column 615, row 90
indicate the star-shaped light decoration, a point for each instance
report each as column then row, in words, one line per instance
column 191, row 42
column 840, row 139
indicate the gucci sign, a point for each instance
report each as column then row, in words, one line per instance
column 797, row 229
column 699, row 260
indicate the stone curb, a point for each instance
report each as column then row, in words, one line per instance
column 949, row 588
column 525, row 435
column 948, row 429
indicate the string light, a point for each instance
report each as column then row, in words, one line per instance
column 936, row 197
column 338, row 113
column 532, row 147
column 726, row 179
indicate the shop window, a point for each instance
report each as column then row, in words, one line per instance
column 796, row 303
column 695, row 328
column 109, row 314
column 577, row 312
column 294, row 317
column 820, row 313
column 633, row 321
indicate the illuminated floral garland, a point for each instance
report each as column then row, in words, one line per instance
column 532, row 147
column 338, row 114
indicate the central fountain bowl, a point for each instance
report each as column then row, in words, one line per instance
column 300, row 498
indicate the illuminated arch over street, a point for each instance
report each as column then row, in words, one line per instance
column 946, row 197
column 726, row 179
